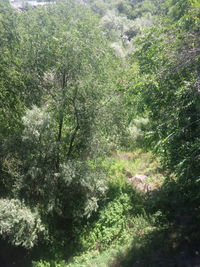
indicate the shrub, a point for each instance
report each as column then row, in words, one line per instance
column 111, row 225
column 18, row 224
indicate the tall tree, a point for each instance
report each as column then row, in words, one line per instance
column 68, row 71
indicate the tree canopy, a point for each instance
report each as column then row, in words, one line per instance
column 86, row 87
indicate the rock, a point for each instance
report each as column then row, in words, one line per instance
column 139, row 182
column 141, row 177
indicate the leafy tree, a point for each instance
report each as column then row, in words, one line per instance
column 68, row 67
column 11, row 86
column 168, row 60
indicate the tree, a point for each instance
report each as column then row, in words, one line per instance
column 69, row 67
column 168, row 59
column 11, row 86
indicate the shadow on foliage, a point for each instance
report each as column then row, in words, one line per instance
column 161, row 248
column 13, row 256
column 176, row 238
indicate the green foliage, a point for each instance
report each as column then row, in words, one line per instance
column 112, row 222
column 80, row 80
column 49, row 184
column 11, row 85
column 142, row 226
column 48, row 264
column 137, row 130
column 136, row 236
column 167, row 90
column 63, row 76
column 18, row 224
column 41, row 264
column 115, row 217
column 162, row 103
column 68, row 64
column 127, row 164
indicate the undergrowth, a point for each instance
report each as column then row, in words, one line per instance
column 121, row 220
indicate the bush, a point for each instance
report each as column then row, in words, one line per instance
column 111, row 225
column 18, row 224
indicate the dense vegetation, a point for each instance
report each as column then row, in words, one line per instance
column 94, row 97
